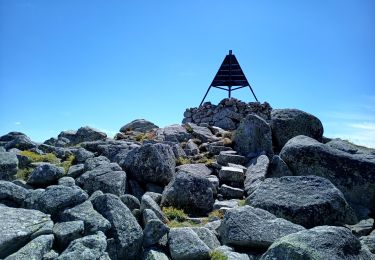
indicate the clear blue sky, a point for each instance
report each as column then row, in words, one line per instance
column 66, row 64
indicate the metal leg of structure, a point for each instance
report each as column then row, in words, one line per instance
column 253, row 93
column 229, row 91
column 205, row 95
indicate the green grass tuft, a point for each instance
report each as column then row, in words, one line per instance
column 175, row 214
column 34, row 157
column 242, row 203
column 24, row 173
column 67, row 163
column 183, row 160
column 217, row 255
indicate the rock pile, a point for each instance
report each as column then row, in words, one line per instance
column 234, row 181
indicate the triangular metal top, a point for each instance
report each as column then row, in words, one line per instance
column 230, row 73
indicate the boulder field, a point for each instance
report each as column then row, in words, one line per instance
column 234, row 181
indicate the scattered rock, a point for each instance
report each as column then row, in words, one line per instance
column 192, row 193
column 253, row 228
column 306, row 200
column 76, row 170
column 202, row 133
column 191, row 148
column 93, row 221
column 154, row 230
column 230, row 254
column 185, row 244
column 173, row 133
column 109, row 178
column 288, row 123
column 233, row 203
column 81, row 155
column 153, row 254
column 138, row 125
column 125, row 228
column 12, row 195
column 35, row 249
column 369, row 242
column 148, row 203
column 55, row 199
column 86, row 248
column 67, row 181
column 151, row 163
column 353, row 174
column 256, row 173
column 362, row 228
column 8, row 166
column 231, row 174
column 65, row 232
column 227, row 157
column 252, row 137
column 19, row 226
column 229, row 192
column 45, row 174
column 130, row 201
column 324, row 242
column 207, row 236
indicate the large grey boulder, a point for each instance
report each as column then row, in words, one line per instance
column 305, row 200
column 109, row 178
column 35, row 249
column 87, row 134
column 353, row 174
column 369, row 242
column 76, row 170
column 65, row 232
column 288, row 123
column 45, row 174
column 173, row 133
column 93, row 221
column 231, row 174
column 256, row 173
column 18, row 140
column 92, row 163
column 86, row 248
column 253, row 136
column 138, row 125
column 192, row 193
column 8, row 166
column 55, row 198
column 185, row 244
column 81, row 155
column 12, row 195
column 151, row 163
column 125, row 229
column 252, row 228
column 19, row 226
column 195, row 168
column 324, row 242
column 130, row 201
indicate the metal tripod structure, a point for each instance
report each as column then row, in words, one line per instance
column 229, row 75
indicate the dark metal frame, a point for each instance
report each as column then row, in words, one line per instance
column 229, row 83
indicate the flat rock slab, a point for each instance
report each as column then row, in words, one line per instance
column 252, row 228
column 196, row 168
column 306, row 200
column 226, row 157
column 231, row 174
column 19, row 226
column 324, row 242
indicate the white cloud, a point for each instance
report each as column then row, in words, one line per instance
column 17, row 123
column 365, row 126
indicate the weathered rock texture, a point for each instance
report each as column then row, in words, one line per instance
column 227, row 114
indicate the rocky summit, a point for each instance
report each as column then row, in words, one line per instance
column 235, row 180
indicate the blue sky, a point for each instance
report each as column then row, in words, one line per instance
column 66, row 64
